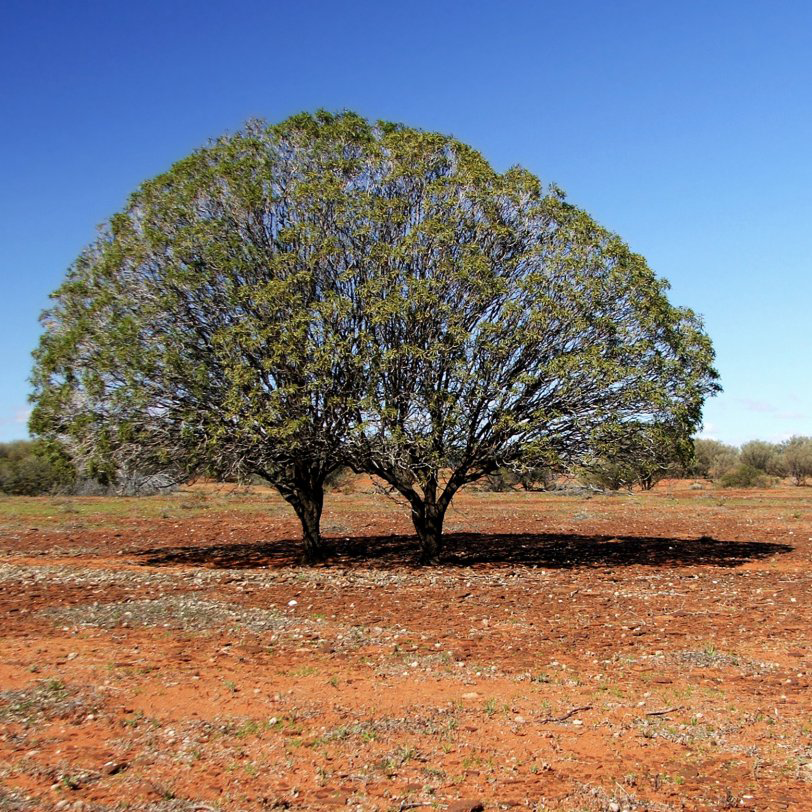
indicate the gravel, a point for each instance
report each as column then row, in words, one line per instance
column 188, row 613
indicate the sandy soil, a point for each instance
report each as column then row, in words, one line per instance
column 619, row 652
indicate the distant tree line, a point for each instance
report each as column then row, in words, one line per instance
column 645, row 460
column 28, row 469
column 38, row 468
column 754, row 464
column 32, row 468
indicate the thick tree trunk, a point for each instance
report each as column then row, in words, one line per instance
column 308, row 504
column 428, row 522
column 429, row 505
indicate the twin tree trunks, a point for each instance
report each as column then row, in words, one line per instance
column 308, row 503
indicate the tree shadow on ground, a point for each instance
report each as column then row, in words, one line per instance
column 547, row 550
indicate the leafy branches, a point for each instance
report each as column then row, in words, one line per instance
column 330, row 292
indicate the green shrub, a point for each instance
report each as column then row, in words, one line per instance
column 743, row 475
column 528, row 478
column 712, row 459
column 796, row 457
column 501, row 480
column 339, row 478
column 31, row 469
column 608, row 475
column 761, row 455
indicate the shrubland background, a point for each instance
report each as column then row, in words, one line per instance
column 29, row 468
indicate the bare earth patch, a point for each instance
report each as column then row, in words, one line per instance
column 573, row 652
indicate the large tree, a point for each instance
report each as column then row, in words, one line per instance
column 328, row 291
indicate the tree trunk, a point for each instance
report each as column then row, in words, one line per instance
column 428, row 522
column 308, row 504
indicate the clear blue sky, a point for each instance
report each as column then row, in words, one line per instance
column 685, row 127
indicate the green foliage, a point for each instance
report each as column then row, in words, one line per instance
column 608, row 474
column 526, row 477
column 712, row 458
column 796, row 458
column 327, row 291
column 205, row 329
column 339, row 478
column 503, row 325
column 32, row 469
column 501, row 480
column 761, row 455
column 636, row 454
column 722, row 463
column 743, row 475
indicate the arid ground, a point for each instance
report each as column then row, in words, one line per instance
column 574, row 652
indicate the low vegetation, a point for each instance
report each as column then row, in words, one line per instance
column 30, row 469
column 755, row 464
column 27, row 470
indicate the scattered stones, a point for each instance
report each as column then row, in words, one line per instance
column 186, row 612
column 383, row 675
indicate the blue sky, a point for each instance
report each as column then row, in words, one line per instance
column 685, row 127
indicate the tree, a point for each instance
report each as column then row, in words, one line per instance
column 760, row 455
column 501, row 326
column 328, row 291
column 796, row 456
column 640, row 454
column 32, row 469
column 712, row 458
column 201, row 333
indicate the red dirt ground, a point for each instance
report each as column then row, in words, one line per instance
column 620, row 652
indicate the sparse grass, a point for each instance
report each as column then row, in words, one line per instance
column 391, row 763
column 494, row 706
column 101, row 510
column 303, row 671
column 186, row 612
column 711, row 657
column 364, row 731
column 15, row 801
column 541, row 678
column 47, row 699
column 144, row 630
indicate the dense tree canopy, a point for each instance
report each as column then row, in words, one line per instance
column 761, row 455
column 202, row 331
column 326, row 291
